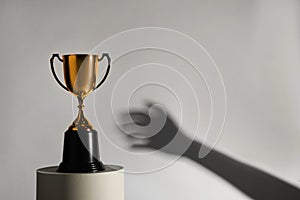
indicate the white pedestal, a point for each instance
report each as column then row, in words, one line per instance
column 105, row 185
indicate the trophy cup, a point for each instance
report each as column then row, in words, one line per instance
column 81, row 149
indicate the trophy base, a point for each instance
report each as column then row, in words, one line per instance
column 104, row 185
column 81, row 152
column 81, row 168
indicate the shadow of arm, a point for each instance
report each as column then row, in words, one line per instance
column 252, row 181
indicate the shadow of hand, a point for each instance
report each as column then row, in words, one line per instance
column 154, row 128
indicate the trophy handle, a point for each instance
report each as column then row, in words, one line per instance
column 53, row 71
column 107, row 70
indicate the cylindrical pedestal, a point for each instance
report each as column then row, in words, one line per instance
column 104, row 185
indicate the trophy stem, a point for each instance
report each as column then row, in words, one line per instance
column 80, row 116
column 80, row 106
column 81, row 122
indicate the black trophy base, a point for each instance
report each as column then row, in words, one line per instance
column 81, row 152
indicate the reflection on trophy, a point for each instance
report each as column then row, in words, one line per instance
column 81, row 150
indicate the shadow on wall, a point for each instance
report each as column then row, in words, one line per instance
column 255, row 183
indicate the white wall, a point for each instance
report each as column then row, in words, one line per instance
column 254, row 43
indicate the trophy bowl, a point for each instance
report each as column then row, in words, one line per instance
column 80, row 73
column 81, row 151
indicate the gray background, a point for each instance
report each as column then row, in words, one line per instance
column 254, row 43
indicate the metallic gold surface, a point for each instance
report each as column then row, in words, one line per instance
column 81, row 123
column 80, row 75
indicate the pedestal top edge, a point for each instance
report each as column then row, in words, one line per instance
column 53, row 170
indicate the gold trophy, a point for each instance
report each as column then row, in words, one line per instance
column 81, row 149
